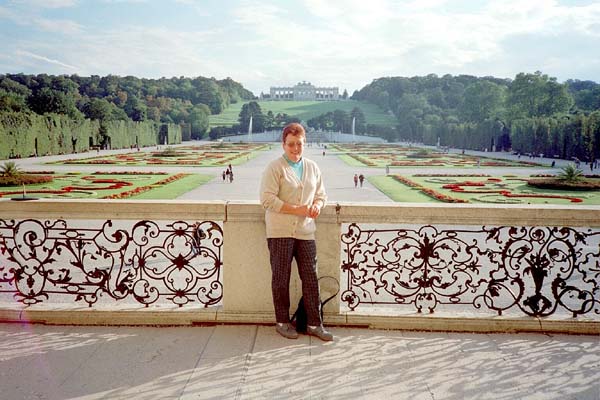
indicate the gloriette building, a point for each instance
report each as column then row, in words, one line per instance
column 304, row 91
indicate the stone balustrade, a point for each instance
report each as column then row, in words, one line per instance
column 401, row 266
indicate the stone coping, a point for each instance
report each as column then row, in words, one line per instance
column 174, row 316
column 414, row 213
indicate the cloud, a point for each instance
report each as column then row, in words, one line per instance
column 36, row 4
column 30, row 18
column 63, row 26
column 27, row 54
column 345, row 43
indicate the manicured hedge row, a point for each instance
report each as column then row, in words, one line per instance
column 559, row 184
column 29, row 134
column 24, row 179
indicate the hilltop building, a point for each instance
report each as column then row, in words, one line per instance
column 303, row 91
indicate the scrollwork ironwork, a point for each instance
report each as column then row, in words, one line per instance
column 177, row 262
column 534, row 270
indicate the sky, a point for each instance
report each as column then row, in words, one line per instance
column 264, row 43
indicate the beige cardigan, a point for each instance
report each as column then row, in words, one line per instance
column 280, row 185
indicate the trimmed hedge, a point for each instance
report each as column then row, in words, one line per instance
column 24, row 179
column 26, row 134
column 560, row 184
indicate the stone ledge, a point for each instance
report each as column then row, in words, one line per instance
column 175, row 316
column 480, row 324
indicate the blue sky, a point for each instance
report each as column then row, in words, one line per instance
column 344, row 43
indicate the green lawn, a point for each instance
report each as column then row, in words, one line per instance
column 174, row 189
column 398, row 192
column 306, row 110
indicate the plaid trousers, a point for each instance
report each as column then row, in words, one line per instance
column 282, row 250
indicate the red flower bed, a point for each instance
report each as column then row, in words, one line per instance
column 142, row 189
column 406, row 181
column 442, row 197
column 129, row 173
column 429, row 192
column 113, row 184
column 452, row 175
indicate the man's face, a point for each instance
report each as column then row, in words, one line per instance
column 293, row 147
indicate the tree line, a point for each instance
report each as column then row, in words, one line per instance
column 532, row 113
column 337, row 120
column 166, row 100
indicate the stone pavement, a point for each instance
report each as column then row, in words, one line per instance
column 253, row 362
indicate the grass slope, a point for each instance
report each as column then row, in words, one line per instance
column 306, row 110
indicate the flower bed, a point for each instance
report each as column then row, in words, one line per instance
column 560, row 184
column 142, row 189
column 24, row 179
column 85, row 186
column 486, row 190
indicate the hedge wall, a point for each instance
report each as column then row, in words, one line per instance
column 29, row 134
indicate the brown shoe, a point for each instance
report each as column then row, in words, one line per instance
column 320, row 332
column 287, row 331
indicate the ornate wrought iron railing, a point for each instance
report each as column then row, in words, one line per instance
column 537, row 271
column 92, row 261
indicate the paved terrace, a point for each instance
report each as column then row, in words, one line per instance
column 253, row 362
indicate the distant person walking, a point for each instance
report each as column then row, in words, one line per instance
column 355, row 180
column 361, row 178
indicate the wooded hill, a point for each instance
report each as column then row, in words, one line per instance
column 531, row 114
column 167, row 100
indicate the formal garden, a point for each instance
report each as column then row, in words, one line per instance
column 569, row 187
column 382, row 155
column 97, row 185
column 210, row 155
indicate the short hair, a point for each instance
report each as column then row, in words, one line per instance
column 294, row 129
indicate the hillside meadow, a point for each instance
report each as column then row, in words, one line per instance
column 306, row 110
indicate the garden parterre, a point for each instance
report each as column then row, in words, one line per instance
column 210, row 155
column 382, row 155
column 483, row 188
column 97, row 185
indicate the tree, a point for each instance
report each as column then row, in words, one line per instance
column 47, row 100
column 199, row 120
column 482, row 100
column 345, row 94
column 208, row 92
column 258, row 119
column 99, row 109
column 10, row 101
column 10, row 169
column 135, row 109
column 537, row 95
column 341, row 121
column 570, row 173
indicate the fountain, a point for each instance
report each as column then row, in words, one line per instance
column 250, row 129
column 353, row 129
